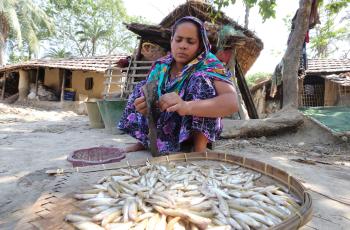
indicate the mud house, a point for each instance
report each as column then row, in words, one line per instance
column 71, row 79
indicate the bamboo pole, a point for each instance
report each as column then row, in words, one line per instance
column 3, row 86
column 247, row 97
column 242, row 110
column 63, row 83
column 36, row 82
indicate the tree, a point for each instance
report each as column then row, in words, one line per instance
column 91, row 27
column 332, row 30
column 91, row 33
column 58, row 53
column 291, row 56
column 22, row 21
column 266, row 8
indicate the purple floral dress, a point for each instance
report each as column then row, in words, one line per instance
column 196, row 82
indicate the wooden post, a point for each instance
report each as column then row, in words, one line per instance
column 242, row 110
column 138, row 52
column 36, row 82
column 23, row 85
column 247, row 97
column 63, row 83
column 3, row 86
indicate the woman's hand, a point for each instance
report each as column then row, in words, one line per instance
column 140, row 105
column 172, row 102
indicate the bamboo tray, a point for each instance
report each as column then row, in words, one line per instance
column 50, row 208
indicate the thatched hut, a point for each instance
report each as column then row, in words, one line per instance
column 246, row 44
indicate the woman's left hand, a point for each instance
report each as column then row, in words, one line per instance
column 172, row 102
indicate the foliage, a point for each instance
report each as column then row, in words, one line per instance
column 266, row 7
column 332, row 32
column 23, row 23
column 58, row 53
column 255, row 78
column 18, row 55
column 91, row 27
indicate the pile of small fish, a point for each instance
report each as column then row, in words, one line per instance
column 190, row 196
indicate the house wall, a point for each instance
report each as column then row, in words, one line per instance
column 330, row 93
column 52, row 79
column 78, row 83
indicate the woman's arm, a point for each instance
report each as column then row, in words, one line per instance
column 224, row 104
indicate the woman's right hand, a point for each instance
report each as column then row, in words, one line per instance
column 140, row 105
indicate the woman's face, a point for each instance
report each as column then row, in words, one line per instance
column 185, row 43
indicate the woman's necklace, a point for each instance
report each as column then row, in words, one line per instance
column 174, row 72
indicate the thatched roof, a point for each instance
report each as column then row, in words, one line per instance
column 155, row 33
column 327, row 66
column 96, row 64
column 247, row 54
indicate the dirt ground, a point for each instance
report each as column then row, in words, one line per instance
column 33, row 140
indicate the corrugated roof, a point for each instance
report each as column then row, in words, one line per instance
column 97, row 63
column 328, row 66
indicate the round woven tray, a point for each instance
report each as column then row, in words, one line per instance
column 298, row 219
column 95, row 156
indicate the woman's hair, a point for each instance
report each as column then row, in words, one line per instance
column 198, row 26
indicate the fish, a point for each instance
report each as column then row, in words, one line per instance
column 77, row 218
column 86, row 225
column 99, row 201
column 246, row 219
column 187, row 196
column 110, row 217
column 172, row 222
column 104, row 213
column 119, row 226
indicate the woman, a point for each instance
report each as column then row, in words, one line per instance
column 194, row 92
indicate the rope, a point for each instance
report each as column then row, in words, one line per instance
column 301, row 218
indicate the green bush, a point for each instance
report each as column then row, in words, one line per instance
column 254, row 78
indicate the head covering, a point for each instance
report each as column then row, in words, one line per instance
column 199, row 23
column 205, row 64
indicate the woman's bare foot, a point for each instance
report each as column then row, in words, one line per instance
column 134, row 148
column 200, row 142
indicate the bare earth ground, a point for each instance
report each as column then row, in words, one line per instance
column 33, row 140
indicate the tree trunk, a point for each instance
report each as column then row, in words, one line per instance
column 279, row 122
column 246, row 16
column 292, row 55
column 1, row 54
column 2, row 38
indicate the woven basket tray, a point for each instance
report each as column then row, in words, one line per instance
column 296, row 220
column 95, row 156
